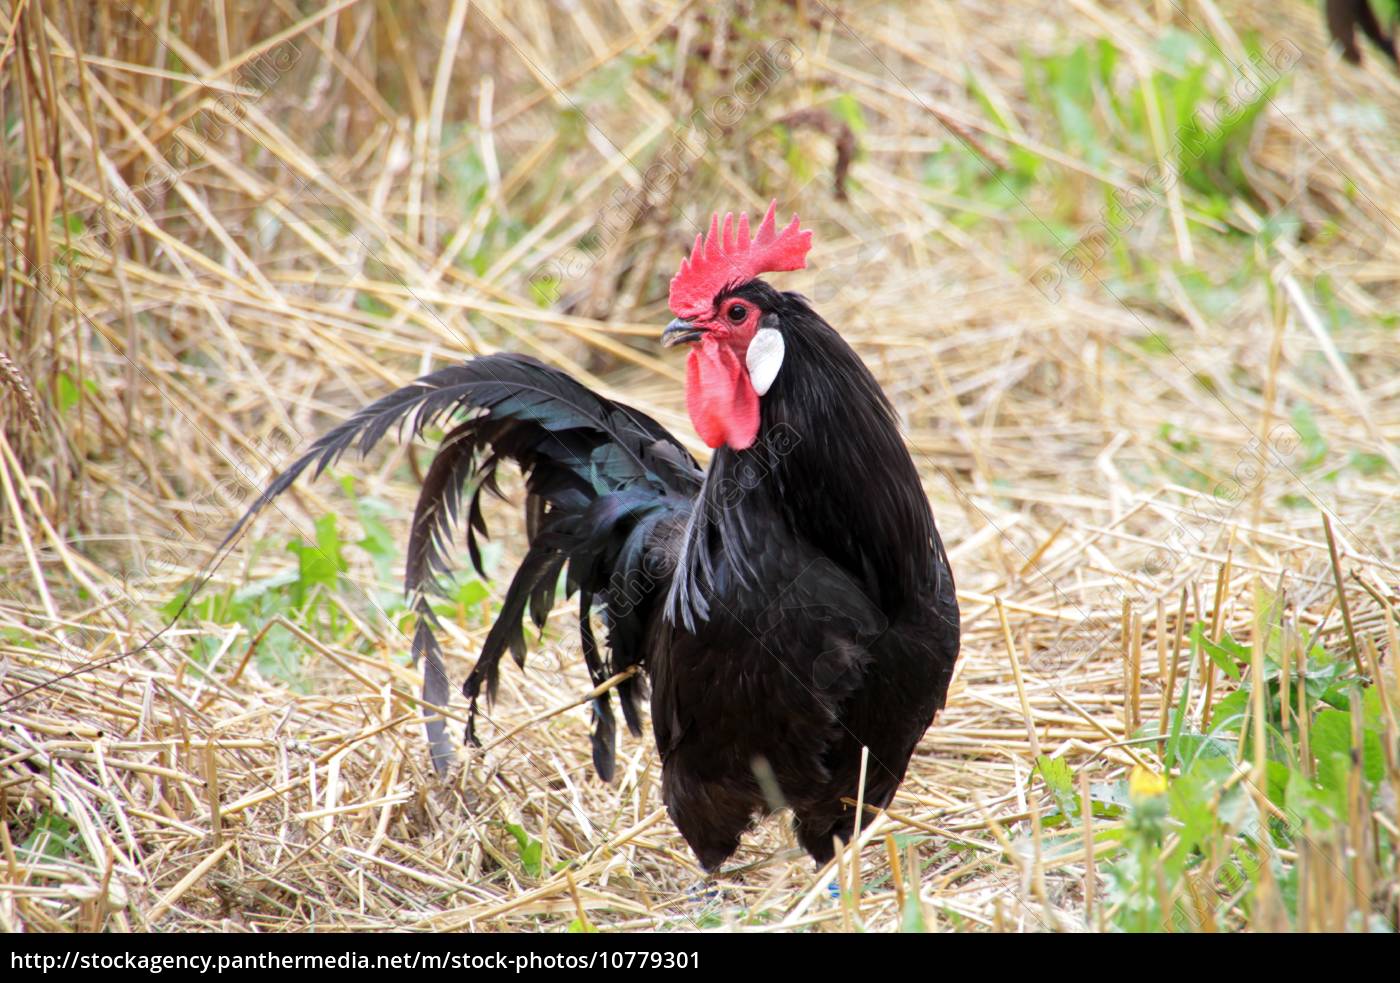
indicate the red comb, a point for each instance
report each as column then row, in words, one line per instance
column 723, row 259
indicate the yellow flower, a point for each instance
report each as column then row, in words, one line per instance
column 1145, row 784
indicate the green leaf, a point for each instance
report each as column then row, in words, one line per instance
column 1227, row 653
column 1173, row 752
column 1191, row 797
column 1331, row 746
column 52, row 838
column 1228, row 715
column 172, row 607
column 1313, row 443
column 912, row 920
column 1058, row 778
column 848, row 109
column 1308, row 802
column 255, row 591
column 544, row 290
column 378, row 541
column 1368, row 464
column 320, row 565
column 471, row 593
column 68, row 391
column 531, row 850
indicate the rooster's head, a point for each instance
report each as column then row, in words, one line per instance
column 736, row 345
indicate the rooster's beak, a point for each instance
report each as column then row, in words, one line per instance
column 679, row 332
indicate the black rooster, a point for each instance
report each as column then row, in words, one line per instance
column 790, row 605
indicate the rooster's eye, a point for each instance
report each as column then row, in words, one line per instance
column 737, row 312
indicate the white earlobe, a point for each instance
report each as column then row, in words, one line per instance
column 764, row 358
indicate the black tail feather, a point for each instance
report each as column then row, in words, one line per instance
column 437, row 690
column 604, row 734
column 600, row 476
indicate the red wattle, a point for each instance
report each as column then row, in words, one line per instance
column 721, row 400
